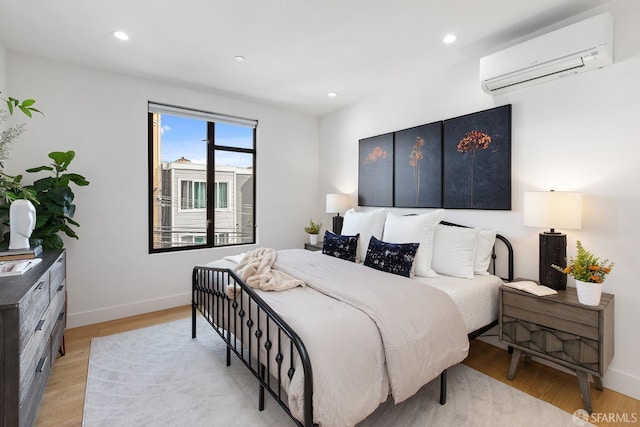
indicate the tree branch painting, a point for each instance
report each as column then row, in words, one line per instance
column 473, row 141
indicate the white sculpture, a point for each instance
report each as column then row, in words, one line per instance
column 22, row 221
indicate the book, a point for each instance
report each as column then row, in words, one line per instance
column 532, row 288
column 31, row 252
column 16, row 256
column 17, row 267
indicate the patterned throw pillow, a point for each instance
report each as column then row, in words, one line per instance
column 343, row 247
column 396, row 258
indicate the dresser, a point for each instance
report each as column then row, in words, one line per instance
column 32, row 322
column 560, row 329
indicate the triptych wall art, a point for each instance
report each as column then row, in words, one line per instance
column 459, row 163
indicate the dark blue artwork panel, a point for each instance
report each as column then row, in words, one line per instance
column 477, row 160
column 375, row 171
column 418, row 167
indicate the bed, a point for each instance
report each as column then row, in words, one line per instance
column 332, row 351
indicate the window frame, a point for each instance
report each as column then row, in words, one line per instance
column 212, row 235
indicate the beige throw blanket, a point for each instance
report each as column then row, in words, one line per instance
column 256, row 270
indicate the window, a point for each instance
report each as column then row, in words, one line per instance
column 201, row 179
column 222, row 195
column 193, row 194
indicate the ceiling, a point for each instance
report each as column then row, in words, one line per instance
column 296, row 51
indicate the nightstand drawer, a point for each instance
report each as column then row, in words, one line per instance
column 545, row 312
column 562, row 346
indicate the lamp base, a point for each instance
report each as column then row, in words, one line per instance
column 337, row 224
column 553, row 250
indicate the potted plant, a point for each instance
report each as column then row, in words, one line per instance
column 589, row 272
column 312, row 230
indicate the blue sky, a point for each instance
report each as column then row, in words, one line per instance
column 183, row 137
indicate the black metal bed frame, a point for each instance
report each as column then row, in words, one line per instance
column 246, row 317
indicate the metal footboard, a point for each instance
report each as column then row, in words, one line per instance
column 264, row 342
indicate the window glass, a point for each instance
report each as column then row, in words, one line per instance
column 185, row 211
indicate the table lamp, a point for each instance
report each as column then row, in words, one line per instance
column 337, row 203
column 553, row 209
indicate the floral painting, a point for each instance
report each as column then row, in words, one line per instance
column 477, row 160
column 418, row 167
column 375, row 171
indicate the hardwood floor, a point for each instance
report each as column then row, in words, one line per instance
column 63, row 400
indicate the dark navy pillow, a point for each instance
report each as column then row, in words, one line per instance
column 396, row 258
column 343, row 247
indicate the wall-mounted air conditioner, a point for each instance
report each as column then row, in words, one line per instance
column 576, row 48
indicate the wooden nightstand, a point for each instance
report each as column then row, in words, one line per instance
column 560, row 329
column 316, row 247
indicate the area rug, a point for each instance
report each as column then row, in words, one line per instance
column 159, row 376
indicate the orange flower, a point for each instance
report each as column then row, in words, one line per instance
column 594, row 268
column 606, row 270
column 595, row 278
column 567, row 270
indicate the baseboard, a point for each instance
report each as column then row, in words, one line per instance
column 613, row 379
column 75, row 320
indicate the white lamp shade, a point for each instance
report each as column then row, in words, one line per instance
column 337, row 203
column 553, row 209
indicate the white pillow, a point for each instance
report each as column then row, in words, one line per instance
column 454, row 250
column 369, row 223
column 414, row 229
column 484, row 248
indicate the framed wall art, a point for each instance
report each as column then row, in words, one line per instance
column 418, row 167
column 477, row 160
column 375, row 171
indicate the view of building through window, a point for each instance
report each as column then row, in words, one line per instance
column 202, row 194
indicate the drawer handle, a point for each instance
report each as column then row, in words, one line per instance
column 61, row 315
column 41, row 364
column 60, row 260
column 40, row 325
column 61, row 287
column 40, row 285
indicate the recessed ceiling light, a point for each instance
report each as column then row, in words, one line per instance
column 332, row 94
column 449, row 38
column 120, row 35
column 239, row 58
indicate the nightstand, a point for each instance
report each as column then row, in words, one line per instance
column 560, row 329
column 312, row 247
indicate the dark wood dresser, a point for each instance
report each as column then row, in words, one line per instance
column 32, row 322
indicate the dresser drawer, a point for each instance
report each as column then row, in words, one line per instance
column 32, row 395
column 32, row 310
column 30, row 358
column 57, row 273
column 545, row 312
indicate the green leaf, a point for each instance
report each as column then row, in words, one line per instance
column 70, row 221
column 52, row 242
column 62, row 159
column 26, row 111
column 79, row 180
column 40, row 168
column 43, row 184
column 28, row 102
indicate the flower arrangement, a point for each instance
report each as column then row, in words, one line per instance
column 313, row 227
column 586, row 267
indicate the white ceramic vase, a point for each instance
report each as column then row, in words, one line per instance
column 313, row 239
column 588, row 292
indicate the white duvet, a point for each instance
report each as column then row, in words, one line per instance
column 376, row 333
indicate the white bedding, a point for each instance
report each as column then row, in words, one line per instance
column 341, row 399
column 476, row 299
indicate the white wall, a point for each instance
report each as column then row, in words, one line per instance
column 103, row 117
column 3, row 70
column 578, row 133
